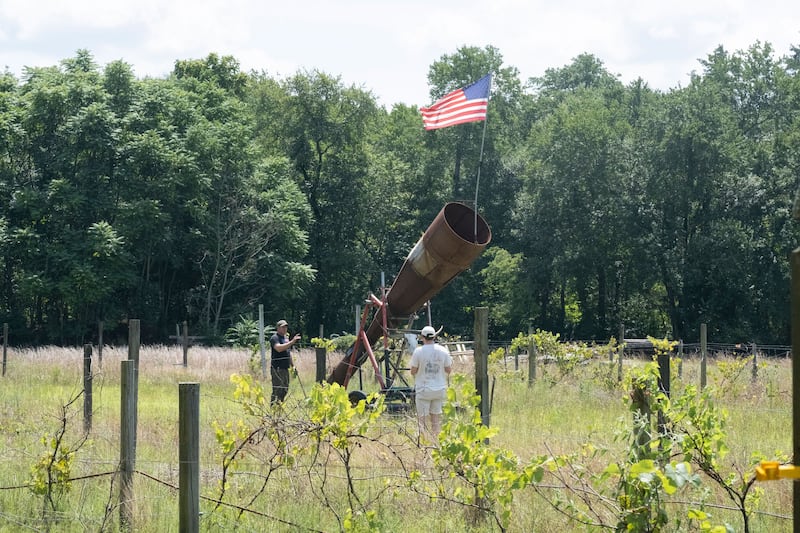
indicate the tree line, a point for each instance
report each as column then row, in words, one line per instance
column 198, row 196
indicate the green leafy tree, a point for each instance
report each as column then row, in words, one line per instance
column 71, row 139
column 324, row 129
column 251, row 208
column 694, row 205
column 13, row 162
column 500, row 290
column 569, row 218
column 397, row 184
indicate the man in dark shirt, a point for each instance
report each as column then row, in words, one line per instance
column 281, row 361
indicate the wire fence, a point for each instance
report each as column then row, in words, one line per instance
column 342, row 473
column 165, row 473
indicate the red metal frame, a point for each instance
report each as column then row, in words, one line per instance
column 362, row 339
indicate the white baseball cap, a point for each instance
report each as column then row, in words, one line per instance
column 428, row 332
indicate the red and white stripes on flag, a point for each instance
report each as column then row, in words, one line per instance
column 460, row 106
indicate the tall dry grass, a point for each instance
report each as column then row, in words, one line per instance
column 557, row 414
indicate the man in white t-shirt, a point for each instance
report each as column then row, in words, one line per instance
column 430, row 365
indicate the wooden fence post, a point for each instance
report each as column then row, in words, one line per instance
column 795, row 336
column 134, row 340
column 100, row 344
column 262, row 345
column 185, row 343
column 755, row 363
column 532, row 355
column 642, row 419
column 189, row 457
column 680, row 359
column 87, row 388
column 611, row 354
column 5, row 346
column 703, row 354
column 321, row 354
column 134, row 343
column 663, row 386
column 621, row 352
column 127, row 449
column 481, row 355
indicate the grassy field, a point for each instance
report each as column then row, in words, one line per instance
column 559, row 414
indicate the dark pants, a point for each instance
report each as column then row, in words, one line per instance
column 280, row 384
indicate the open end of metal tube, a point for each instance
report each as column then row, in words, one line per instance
column 467, row 224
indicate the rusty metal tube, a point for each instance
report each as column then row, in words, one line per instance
column 455, row 238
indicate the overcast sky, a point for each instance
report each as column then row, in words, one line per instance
column 387, row 46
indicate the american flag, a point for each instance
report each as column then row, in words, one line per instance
column 460, row 106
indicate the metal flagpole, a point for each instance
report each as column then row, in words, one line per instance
column 480, row 163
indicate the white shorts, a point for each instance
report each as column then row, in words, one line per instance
column 430, row 402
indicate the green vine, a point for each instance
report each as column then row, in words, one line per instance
column 51, row 473
column 478, row 475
